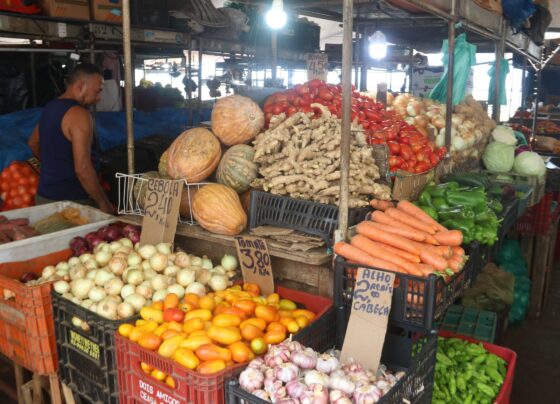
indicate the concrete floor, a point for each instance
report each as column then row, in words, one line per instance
column 536, row 341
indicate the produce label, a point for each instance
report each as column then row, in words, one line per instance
column 371, row 305
column 84, row 345
column 162, row 201
column 255, row 262
column 317, row 64
column 151, row 393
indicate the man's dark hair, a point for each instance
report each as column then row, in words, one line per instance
column 84, row 69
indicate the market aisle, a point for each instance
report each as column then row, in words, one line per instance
column 538, row 353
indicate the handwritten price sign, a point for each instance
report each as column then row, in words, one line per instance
column 162, row 201
column 255, row 262
column 371, row 305
column 317, row 66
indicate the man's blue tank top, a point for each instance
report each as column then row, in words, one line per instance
column 58, row 180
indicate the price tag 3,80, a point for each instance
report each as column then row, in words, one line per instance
column 254, row 260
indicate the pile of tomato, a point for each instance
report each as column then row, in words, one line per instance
column 18, row 186
column 409, row 149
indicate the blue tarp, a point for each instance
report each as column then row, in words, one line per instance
column 15, row 129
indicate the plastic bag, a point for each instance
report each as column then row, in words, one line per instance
column 518, row 11
column 65, row 219
column 504, row 70
column 465, row 58
column 493, row 290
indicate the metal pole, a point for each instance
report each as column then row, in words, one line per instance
column 93, row 108
column 450, row 71
column 524, row 85
column 33, row 80
column 189, row 94
column 410, row 69
column 274, row 49
column 537, row 89
column 347, row 17
column 128, row 85
column 199, row 80
column 362, row 57
column 499, row 56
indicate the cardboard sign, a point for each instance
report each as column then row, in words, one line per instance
column 161, row 205
column 255, row 262
column 371, row 305
column 317, row 64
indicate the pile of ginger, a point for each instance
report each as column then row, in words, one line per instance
column 300, row 157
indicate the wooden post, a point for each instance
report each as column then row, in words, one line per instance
column 450, row 71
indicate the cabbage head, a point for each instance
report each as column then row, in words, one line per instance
column 498, row 157
column 529, row 163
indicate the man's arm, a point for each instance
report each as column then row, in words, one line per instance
column 33, row 142
column 80, row 128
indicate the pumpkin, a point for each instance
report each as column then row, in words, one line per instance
column 236, row 119
column 217, row 208
column 237, row 169
column 194, row 155
column 140, row 186
column 162, row 166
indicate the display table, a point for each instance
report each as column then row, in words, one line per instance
column 308, row 271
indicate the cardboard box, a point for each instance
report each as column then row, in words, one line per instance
column 106, row 10
column 78, row 9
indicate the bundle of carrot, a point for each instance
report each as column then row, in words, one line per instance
column 405, row 239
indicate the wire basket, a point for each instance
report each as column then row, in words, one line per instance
column 133, row 186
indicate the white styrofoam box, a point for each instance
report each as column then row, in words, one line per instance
column 37, row 246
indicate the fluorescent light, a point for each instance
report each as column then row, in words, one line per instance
column 435, row 59
column 377, row 45
column 276, row 17
column 551, row 35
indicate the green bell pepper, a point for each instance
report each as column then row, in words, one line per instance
column 468, row 198
column 486, row 217
column 486, row 234
column 495, row 205
column 457, row 213
column 431, row 212
column 425, row 199
column 440, row 204
column 466, row 227
column 439, row 191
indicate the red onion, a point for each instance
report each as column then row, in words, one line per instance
column 130, row 228
column 112, row 233
column 521, row 149
column 134, row 237
column 28, row 276
column 94, row 241
column 102, row 232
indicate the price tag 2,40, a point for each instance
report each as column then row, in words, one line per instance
column 254, row 260
column 161, row 204
column 371, row 305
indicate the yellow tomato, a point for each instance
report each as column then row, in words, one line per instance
column 168, row 347
column 224, row 335
column 192, row 325
column 207, row 302
column 193, row 342
column 124, row 329
column 204, row 314
column 286, row 304
column 158, row 374
column 186, row 357
column 226, row 320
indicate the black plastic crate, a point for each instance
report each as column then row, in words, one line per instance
column 409, row 353
column 306, row 216
column 417, row 304
column 86, row 359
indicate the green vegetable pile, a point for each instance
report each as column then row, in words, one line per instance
column 464, row 208
column 466, row 373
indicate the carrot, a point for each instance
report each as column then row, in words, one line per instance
column 397, row 251
column 429, row 255
column 411, row 221
column 373, row 249
column 450, row 237
column 358, row 256
column 383, row 218
column 425, row 269
column 456, row 263
column 381, row 204
column 387, row 238
column 431, row 240
column 412, row 234
column 457, row 251
column 415, row 211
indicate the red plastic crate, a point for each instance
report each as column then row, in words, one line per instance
column 538, row 218
column 191, row 387
column 506, row 354
column 27, row 333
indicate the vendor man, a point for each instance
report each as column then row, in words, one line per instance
column 63, row 142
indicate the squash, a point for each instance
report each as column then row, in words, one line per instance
column 236, row 119
column 217, row 208
column 194, row 155
column 162, row 166
column 237, row 169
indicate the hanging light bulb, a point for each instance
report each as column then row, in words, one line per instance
column 276, row 17
column 377, row 45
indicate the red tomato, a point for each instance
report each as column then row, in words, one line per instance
column 268, row 108
column 434, row 159
column 422, row 167
column 390, row 134
column 281, row 97
column 394, row 147
column 269, row 100
column 441, row 152
column 306, row 109
column 395, row 161
column 326, row 94
column 404, row 166
column 297, row 101
column 316, row 83
column 421, row 156
column 291, row 110
column 302, row 90
column 365, row 124
column 374, row 115
column 277, row 109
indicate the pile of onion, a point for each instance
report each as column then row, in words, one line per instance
column 113, row 232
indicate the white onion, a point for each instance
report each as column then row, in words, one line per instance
column 96, row 294
column 171, row 270
column 102, row 258
column 77, row 272
column 81, row 287
column 125, row 310
column 91, row 274
column 159, row 295
column 147, row 251
column 107, row 308
column 114, row 246
column 93, row 307
column 171, row 257
column 177, row 289
column 185, row 277
column 91, row 264
column 145, row 265
column 207, row 263
column 48, row 271
column 134, row 277
column 102, row 277
column 62, row 266
column 85, row 257
column 126, row 243
column 134, row 260
column 196, row 261
column 145, row 290
column 149, row 274
column 203, row 276
column 117, row 265
column 159, row 282
column 137, row 301
column 182, row 260
column 196, row 288
column 102, row 247
column 61, row 287
column 219, row 270
column 74, row 261
column 114, row 286
column 158, row 262
column 127, row 290
column 218, row 282
column 164, row 248
column 87, row 303
column 229, row 262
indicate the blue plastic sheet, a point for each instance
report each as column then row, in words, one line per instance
column 16, row 128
